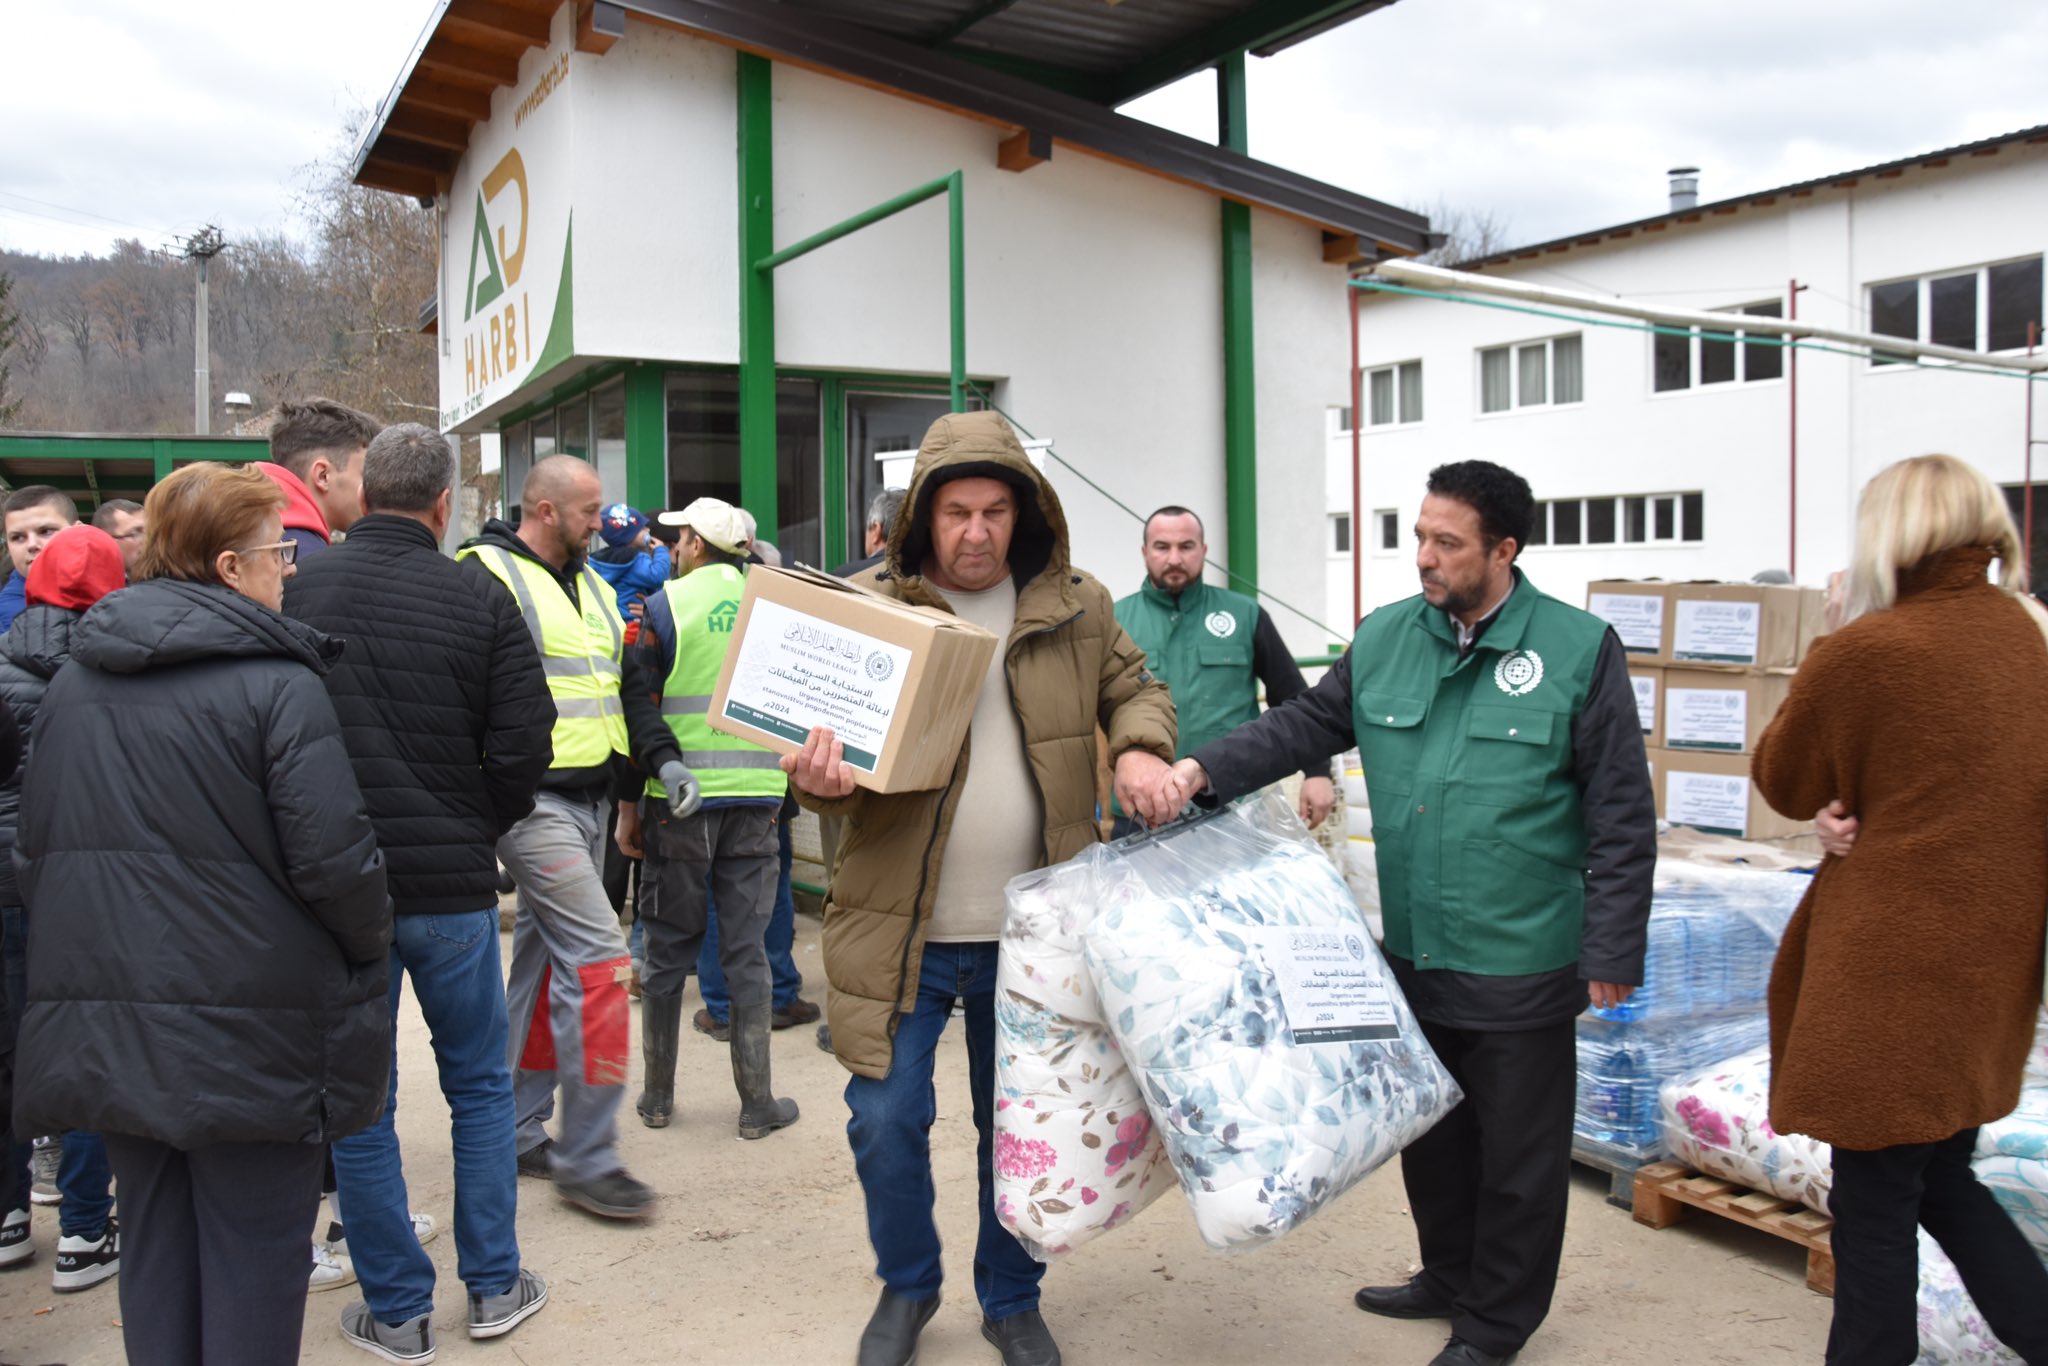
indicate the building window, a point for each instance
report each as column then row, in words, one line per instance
column 1340, row 533
column 1989, row 308
column 1629, row 519
column 1690, row 359
column 1343, row 419
column 1389, row 523
column 1394, row 394
column 1528, row 375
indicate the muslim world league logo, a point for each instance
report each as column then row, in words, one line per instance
column 1221, row 625
column 880, row 666
column 1518, row 672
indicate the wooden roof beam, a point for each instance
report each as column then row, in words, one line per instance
column 379, row 174
column 445, row 98
column 445, row 57
column 599, row 24
column 1024, row 149
column 488, row 24
column 428, row 128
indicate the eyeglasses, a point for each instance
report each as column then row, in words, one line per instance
column 287, row 551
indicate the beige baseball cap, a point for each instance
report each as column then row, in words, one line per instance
column 717, row 521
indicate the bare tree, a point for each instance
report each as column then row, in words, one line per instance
column 1469, row 234
column 10, row 338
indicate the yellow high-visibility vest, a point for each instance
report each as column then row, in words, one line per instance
column 703, row 605
column 580, row 652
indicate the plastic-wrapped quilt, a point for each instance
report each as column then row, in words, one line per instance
column 1278, row 1058
column 1075, row 1151
column 1952, row 1332
column 1718, row 1120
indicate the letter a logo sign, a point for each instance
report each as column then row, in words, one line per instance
column 481, row 294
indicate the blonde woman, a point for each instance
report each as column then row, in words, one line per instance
column 1904, row 997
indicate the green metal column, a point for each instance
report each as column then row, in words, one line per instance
column 757, row 290
column 646, row 437
column 1240, row 412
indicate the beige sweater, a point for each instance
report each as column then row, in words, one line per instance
column 997, row 831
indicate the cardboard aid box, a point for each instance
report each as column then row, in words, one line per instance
column 1723, row 712
column 1743, row 625
column 896, row 683
column 1712, row 792
column 1648, row 682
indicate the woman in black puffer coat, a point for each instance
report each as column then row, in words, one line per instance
column 208, row 924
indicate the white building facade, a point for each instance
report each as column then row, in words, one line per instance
column 1680, row 457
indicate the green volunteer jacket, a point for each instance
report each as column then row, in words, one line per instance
column 1200, row 644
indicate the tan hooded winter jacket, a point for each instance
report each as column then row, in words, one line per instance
column 1071, row 668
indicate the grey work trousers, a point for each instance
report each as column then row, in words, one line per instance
column 566, row 993
column 721, row 860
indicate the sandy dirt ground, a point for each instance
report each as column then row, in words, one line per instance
column 759, row 1254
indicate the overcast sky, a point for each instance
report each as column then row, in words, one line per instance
column 135, row 118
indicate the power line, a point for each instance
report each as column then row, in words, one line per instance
column 86, row 213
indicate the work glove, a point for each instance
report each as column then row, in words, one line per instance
column 683, row 796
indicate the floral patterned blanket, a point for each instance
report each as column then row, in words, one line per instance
column 1718, row 1120
column 1075, row 1151
column 1277, row 1057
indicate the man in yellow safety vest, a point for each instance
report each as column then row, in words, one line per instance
column 566, row 991
column 723, row 855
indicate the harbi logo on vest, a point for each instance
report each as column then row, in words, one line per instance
column 719, row 620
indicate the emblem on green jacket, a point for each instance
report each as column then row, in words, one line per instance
column 719, row 619
column 1518, row 672
column 1221, row 625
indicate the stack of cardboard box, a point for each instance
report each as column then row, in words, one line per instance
column 1711, row 662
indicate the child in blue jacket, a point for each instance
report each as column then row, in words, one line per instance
column 630, row 561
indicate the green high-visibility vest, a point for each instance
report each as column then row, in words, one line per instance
column 580, row 649
column 1200, row 646
column 1478, row 826
column 703, row 605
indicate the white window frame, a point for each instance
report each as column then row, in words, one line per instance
column 1650, row 539
column 1380, row 519
column 1514, row 352
column 1339, row 548
column 1694, row 343
column 1392, row 374
column 1924, row 306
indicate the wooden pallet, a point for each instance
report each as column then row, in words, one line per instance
column 1667, row 1192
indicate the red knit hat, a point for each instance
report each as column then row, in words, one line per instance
column 80, row 565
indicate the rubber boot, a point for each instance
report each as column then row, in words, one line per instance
column 761, row 1114
column 661, row 1019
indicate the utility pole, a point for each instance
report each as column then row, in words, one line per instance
column 201, row 247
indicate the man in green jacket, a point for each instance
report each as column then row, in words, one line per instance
column 1212, row 647
column 1516, row 840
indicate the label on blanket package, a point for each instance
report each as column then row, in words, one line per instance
column 796, row 672
column 1715, row 632
column 1333, row 987
column 1638, row 621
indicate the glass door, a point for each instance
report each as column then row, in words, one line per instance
column 883, row 430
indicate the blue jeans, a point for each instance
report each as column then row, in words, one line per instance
column 453, row 963
column 789, row 983
column 83, row 1176
column 890, row 1134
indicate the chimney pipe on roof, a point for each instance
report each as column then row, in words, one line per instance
column 1685, row 187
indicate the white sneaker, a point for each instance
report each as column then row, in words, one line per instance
column 16, row 1246
column 330, row 1271
column 423, row 1228
column 85, row 1262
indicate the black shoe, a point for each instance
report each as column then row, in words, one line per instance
column 1458, row 1352
column 1023, row 1338
column 890, row 1339
column 614, row 1196
column 1405, row 1301
column 797, row 1012
column 537, row 1160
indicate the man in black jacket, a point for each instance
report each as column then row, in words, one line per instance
column 566, row 990
column 446, row 715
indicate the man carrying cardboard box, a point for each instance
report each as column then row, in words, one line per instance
column 724, row 851
column 916, row 904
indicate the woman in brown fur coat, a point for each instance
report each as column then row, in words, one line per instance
column 1904, row 997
